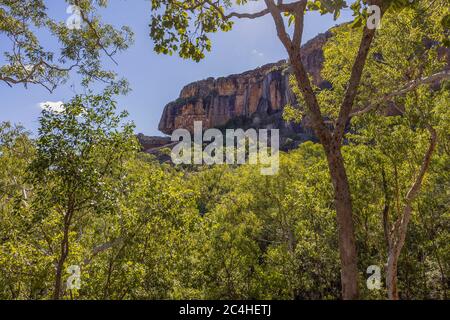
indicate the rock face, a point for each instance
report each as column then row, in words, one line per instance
column 149, row 143
column 251, row 99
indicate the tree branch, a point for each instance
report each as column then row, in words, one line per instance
column 401, row 224
column 442, row 75
column 101, row 248
column 299, row 22
column 279, row 24
column 353, row 84
column 294, row 51
column 288, row 7
column 97, row 36
column 355, row 78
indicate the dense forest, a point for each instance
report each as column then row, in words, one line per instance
column 81, row 193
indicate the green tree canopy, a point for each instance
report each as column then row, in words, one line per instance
column 30, row 60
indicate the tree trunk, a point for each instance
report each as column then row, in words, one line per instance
column 342, row 197
column 64, row 252
column 347, row 244
column 391, row 276
column 398, row 234
column 331, row 140
column 60, row 265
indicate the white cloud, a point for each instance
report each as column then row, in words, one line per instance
column 56, row 107
column 257, row 53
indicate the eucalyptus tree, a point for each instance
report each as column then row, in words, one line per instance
column 79, row 169
column 28, row 29
column 406, row 80
column 184, row 27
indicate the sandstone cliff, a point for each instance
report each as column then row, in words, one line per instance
column 149, row 143
column 251, row 99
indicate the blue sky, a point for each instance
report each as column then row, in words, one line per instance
column 155, row 79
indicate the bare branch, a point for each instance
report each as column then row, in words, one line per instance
column 101, row 248
column 353, row 84
column 413, row 192
column 301, row 75
column 401, row 224
column 299, row 23
column 355, row 77
column 279, row 24
column 247, row 15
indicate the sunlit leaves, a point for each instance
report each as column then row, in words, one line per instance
column 183, row 27
column 30, row 61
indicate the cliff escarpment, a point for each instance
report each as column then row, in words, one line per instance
column 251, row 99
